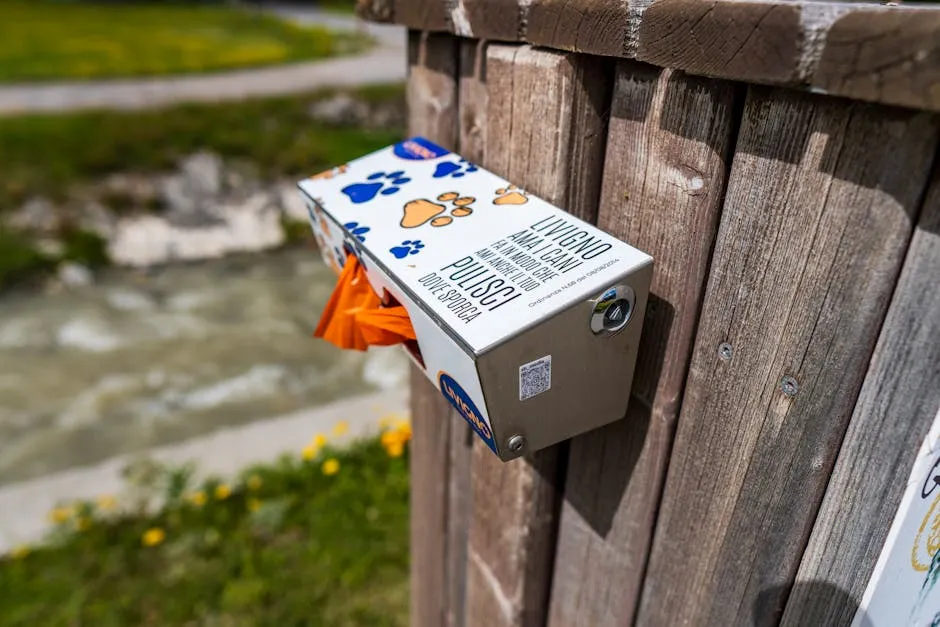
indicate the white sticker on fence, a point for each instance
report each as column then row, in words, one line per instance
column 535, row 377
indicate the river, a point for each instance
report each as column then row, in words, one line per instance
column 136, row 360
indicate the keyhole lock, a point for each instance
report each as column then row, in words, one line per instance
column 612, row 309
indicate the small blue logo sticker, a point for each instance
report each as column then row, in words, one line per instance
column 465, row 407
column 418, row 149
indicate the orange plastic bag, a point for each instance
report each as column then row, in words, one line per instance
column 354, row 317
column 385, row 326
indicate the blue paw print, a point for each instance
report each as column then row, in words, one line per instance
column 359, row 232
column 408, row 247
column 380, row 183
column 453, row 169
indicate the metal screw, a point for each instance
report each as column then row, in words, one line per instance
column 516, row 443
column 725, row 351
column 789, row 386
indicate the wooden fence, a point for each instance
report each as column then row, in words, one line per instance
column 790, row 364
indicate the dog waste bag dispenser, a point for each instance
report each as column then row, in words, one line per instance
column 525, row 318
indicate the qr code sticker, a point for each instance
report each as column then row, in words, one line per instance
column 535, row 377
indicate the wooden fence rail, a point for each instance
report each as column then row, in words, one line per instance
column 790, row 363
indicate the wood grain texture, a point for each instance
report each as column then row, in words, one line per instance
column 432, row 106
column 664, row 179
column 472, row 126
column 591, row 26
column 755, row 41
column 546, row 123
column 432, row 88
column 498, row 20
column 886, row 54
column 894, row 411
column 425, row 15
column 814, row 228
column 459, row 510
column 473, row 99
column 541, row 135
column 892, row 58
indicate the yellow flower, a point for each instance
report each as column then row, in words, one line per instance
column 341, row 427
column 153, row 536
column 82, row 523
column 385, row 422
column 106, row 502
column 60, row 514
column 404, row 430
column 222, row 491
column 197, row 498
column 331, row 466
column 395, row 449
column 309, row 452
column 254, row 482
column 319, row 440
column 20, row 552
column 254, row 505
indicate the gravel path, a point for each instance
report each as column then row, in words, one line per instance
column 383, row 64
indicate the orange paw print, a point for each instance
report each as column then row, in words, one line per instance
column 328, row 174
column 421, row 211
column 510, row 195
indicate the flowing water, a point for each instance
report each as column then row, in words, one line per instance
column 137, row 360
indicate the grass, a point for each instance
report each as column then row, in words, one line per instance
column 44, row 40
column 45, row 154
column 289, row 544
column 48, row 155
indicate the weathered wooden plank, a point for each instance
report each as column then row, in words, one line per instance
column 432, row 106
column 501, row 20
column 544, row 131
column 473, row 99
column 759, row 41
column 664, row 179
column 892, row 58
column 813, row 231
column 887, row 54
column 472, row 126
column 432, row 87
column 425, row 15
column 591, row 26
column 895, row 408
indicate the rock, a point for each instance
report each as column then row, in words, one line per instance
column 292, row 203
column 248, row 226
column 75, row 275
column 191, row 196
column 202, row 173
column 136, row 190
column 340, row 109
column 96, row 218
column 37, row 215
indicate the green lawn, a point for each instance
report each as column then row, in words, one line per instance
column 289, row 544
column 45, row 39
column 47, row 155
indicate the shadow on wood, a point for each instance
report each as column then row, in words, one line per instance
column 847, row 136
column 768, row 607
column 597, row 492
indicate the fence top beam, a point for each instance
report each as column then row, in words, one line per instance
column 879, row 53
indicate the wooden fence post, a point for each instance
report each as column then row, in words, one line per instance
column 664, row 179
column 432, row 108
column 813, row 232
column 545, row 130
column 895, row 409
